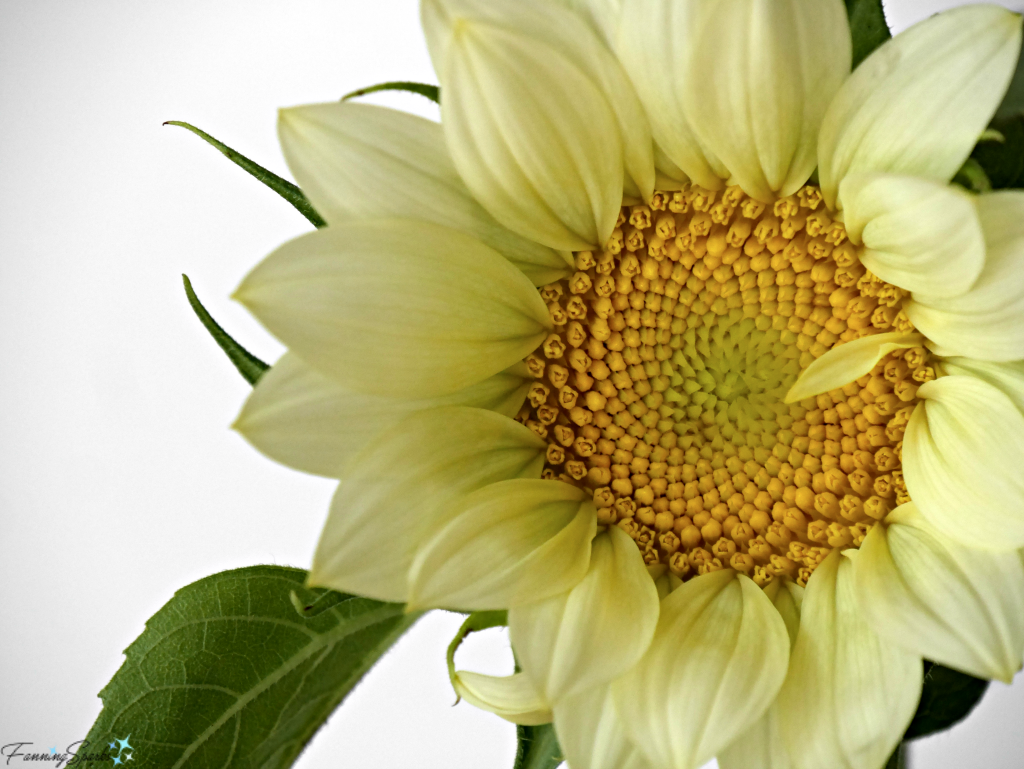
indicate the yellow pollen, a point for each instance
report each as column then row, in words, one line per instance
column 661, row 390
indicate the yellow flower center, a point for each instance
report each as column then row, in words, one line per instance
column 662, row 388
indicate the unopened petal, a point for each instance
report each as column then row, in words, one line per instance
column 395, row 307
column 514, row 697
column 402, row 488
column 310, row 422
column 847, row 362
column 717, row 661
column 921, row 235
column 849, row 695
column 653, row 41
column 507, row 544
column 960, row 607
column 962, row 462
column 541, row 121
column 919, row 102
column 763, row 73
column 591, row 734
column 986, row 322
column 594, row 632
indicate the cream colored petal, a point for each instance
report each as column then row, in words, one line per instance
column 919, row 102
column 762, row 746
column 763, row 73
column 402, row 489
column 602, row 15
column 541, row 121
column 851, row 360
column 397, row 308
column 360, row 161
column 717, row 661
column 310, row 422
column 594, row 632
column 653, row 42
column 849, row 695
column 1006, row 377
column 920, row 235
column 513, row 697
column 591, row 734
column 986, row 322
column 507, row 544
column 960, row 607
column 962, row 462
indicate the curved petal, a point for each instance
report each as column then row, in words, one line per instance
column 591, row 734
column 717, row 661
column 920, row 235
column 1005, row 377
column 510, row 543
column 653, row 41
column 402, row 488
column 762, row 746
column 594, row 632
column 602, row 15
column 395, row 307
column 960, row 607
column 308, row 421
column 961, row 461
column 986, row 321
column 514, row 697
column 849, row 696
column 849, row 361
column 541, row 121
column 919, row 102
column 360, row 161
column 763, row 73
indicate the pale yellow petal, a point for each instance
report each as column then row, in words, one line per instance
column 953, row 605
column 717, row 661
column 1005, row 377
column 310, row 422
column 849, row 695
column 360, row 161
column 591, row 734
column 401, row 490
column 513, row 697
column 762, row 75
column 596, row 631
column 508, row 544
column 920, row 235
column 398, row 308
column 919, row 102
column 985, row 322
column 851, row 360
column 541, row 122
column 962, row 462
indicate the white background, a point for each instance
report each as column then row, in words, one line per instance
column 120, row 480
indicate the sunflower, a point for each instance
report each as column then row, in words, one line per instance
column 674, row 340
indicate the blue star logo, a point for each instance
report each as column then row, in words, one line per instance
column 117, row 760
column 123, row 744
column 128, row 757
column 53, row 751
column 113, row 745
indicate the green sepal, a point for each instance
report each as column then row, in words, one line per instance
column 475, row 622
column 972, row 176
column 432, row 92
column 538, row 748
column 229, row 674
column 248, row 365
column 947, row 697
column 867, row 27
column 282, row 187
column 1003, row 161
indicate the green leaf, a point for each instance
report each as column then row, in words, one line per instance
column 538, row 748
column 282, row 187
column 432, row 92
column 867, row 27
column 248, row 365
column 1003, row 161
column 947, row 697
column 230, row 674
column 898, row 760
